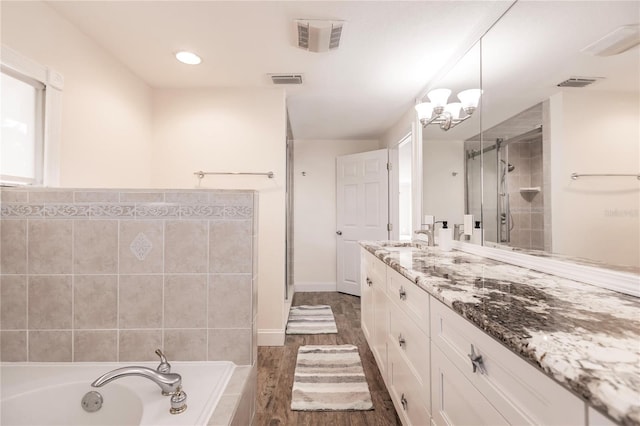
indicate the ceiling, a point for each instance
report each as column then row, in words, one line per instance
column 389, row 52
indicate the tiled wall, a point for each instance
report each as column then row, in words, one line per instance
column 111, row 275
column 527, row 208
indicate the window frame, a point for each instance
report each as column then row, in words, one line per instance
column 49, row 84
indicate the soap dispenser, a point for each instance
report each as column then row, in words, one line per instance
column 476, row 236
column 445, row 237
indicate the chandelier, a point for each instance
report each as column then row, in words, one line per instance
column 447, row 116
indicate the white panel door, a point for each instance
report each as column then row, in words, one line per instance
column 362, row 192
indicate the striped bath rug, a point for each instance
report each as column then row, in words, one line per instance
column 329, row 378
column 311, row 319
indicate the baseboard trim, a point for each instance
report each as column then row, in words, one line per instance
column 305, row 287
column 273, row 337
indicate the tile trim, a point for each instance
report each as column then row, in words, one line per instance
column 98, row 210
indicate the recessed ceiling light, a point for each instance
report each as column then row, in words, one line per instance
column 188, row 58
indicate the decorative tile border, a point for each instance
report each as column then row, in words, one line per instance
column 116, row 210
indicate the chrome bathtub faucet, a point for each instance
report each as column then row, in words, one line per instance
column 170, row 383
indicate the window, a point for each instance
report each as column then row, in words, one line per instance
column 30, row 121
column 21, row 126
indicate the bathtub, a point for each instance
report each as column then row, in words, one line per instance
column 50, row 394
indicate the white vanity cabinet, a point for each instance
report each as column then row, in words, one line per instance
column 367, row 262
column 374, row 316
column 520, row 393
column 408, row 347
column 424, row 351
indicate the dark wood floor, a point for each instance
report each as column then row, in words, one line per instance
column 276, row 365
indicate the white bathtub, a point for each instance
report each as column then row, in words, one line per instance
column 50, row 394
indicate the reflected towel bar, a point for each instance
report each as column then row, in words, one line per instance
column 202, row 174
column 575, row 176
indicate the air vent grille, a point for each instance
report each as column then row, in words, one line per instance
column 286, row 78
column 578, row 81
column 318, row 35
column 334, row 40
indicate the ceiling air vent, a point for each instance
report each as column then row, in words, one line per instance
column 318, row 35
column 578, row 81
column 286, row 78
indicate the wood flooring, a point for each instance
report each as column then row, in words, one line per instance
column 276, row 365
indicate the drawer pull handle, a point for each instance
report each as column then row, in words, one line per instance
column 369, row 282
column 476, row 361
column 404, row 402
column 401, row 341
column 403, row 293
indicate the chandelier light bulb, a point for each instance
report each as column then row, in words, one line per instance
column 453, row 109
column 425, row 110
column 439, row 97
column 470, row 98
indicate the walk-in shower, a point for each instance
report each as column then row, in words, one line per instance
column 512, row 199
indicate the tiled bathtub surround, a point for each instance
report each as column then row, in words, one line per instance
column 111, row 275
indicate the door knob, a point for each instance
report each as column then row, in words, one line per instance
column 339, row 232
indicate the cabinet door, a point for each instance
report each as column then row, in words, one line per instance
column 366, row 294
column 597, row 419
column 406, row 390
column 381, row 328
column 455, row 401
column 413, row 344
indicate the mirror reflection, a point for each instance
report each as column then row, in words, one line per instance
column 557, row 104
column 446, row 174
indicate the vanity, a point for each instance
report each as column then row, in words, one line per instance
column 461, row 339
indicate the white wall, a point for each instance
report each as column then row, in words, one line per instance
column 315, row 209
column 232, row 130
column 443, row 193
column 106, row 110
column 595, row 217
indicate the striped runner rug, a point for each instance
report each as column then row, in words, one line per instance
column 311, row 319
column 329, row 378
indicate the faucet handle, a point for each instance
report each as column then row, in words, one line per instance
column 164, row 366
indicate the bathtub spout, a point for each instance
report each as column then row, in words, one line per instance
column 168, row 382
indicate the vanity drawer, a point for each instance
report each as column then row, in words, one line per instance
column 456, row 401
column 376, row 270
column 522, row 393
column 413, row 343
column 404, row 386
column 410, row 298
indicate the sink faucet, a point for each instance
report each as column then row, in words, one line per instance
column 458, row 231
column 170, row 383
column 428, row 231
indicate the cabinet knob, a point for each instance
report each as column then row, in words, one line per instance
column 403, row 293
column 339, row 232
column 404, row 402
column 401, row 341
column 477, row 362
column 369, row 282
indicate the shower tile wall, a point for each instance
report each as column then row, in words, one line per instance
column 111, row 275
column 527, row 208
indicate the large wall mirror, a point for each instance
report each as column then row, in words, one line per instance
column 553, row 107
column 451, row 185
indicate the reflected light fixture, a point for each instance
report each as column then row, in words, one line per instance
column 447, row 115
column 188, row 58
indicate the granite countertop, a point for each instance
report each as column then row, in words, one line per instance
column 585, row 337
